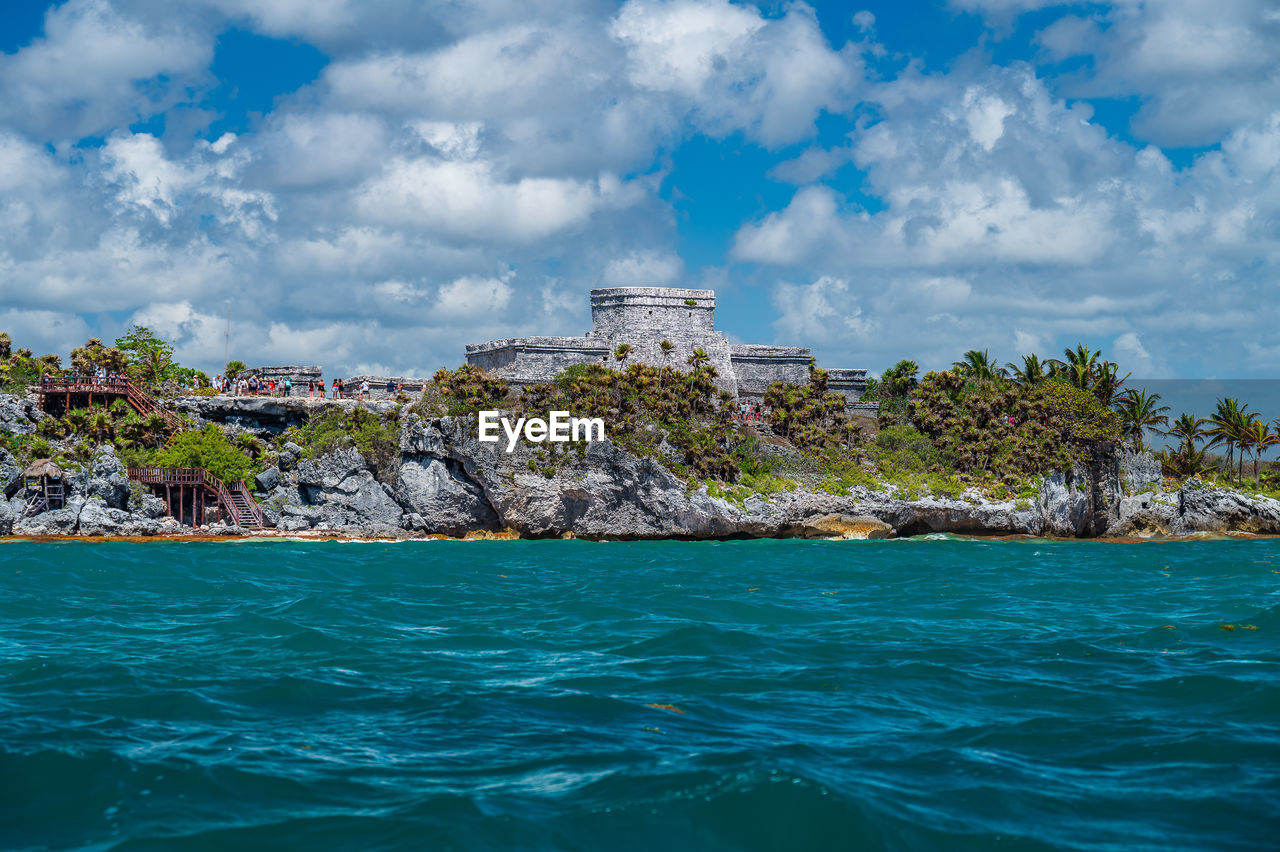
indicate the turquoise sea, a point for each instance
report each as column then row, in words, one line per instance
column 773, row 695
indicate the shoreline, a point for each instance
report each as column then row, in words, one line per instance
column 510, row 535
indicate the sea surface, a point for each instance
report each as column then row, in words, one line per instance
column 774, row 695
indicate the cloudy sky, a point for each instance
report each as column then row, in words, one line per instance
column 371, row 184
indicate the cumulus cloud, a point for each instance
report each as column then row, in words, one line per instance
column 1059, row 231
column 465, row 171
column 95, row 69
column 643, row 269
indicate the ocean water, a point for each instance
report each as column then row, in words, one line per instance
column 779, row 695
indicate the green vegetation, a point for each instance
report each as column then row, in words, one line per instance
column 207, row 448
column 376, row 438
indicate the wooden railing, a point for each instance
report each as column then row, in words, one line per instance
column 235, row 500
column 84, row 384
column 172, row 476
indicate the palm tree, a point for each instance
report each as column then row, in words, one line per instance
column 77, row 419
column 1080, row 366
column 1138, row 412
column 1188, row 428
column 1107, row 382
column 1261, row 439
column 621, row 353
column 100, row 426
column 1227, row 420
column 1032, row 371
column 980, row 366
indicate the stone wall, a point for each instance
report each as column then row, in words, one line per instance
column 527, row 360
column 850, row 384
column 378, row 386
column 300, row 376
column 757, row 366
column 651, row 312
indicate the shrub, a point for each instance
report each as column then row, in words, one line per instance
column 207, row 448
column 376, row 438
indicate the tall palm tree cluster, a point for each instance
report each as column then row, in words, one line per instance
column 1231, row 426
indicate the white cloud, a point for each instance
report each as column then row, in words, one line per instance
column 643, row 269
column 83, row 75
column 735, row 68
column 472, row 296
column 467, row 200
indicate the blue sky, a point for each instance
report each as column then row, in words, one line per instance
column 371, row 185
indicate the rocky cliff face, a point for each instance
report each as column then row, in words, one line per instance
column 450, row 483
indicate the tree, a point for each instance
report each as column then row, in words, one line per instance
column 1138, row 412
column 150, row 357
column 94, row 354
column 1032, row 371
column 1261, row 439
column 1188, row 429
column 1226, row 422
column 980, row 366
column 620, row 354
column 233, row 369
column 1079, row 365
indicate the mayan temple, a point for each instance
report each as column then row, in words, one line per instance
column 645, row 317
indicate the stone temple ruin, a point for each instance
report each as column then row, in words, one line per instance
column 646, row 316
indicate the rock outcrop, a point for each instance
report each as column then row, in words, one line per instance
column 448, row 482
column 19, row 414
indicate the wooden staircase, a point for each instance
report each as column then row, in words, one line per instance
column 145, row 404
column 234, row 502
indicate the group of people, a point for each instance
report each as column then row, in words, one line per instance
column 253, row 386
column 99, row 376
column 749, row 412
column 316, row 389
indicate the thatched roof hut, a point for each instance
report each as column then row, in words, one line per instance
column 42, row 468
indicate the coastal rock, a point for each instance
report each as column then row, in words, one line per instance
column 107, row 479
column 440, row 499
column 1064, row 503
column 98, row 519
column 1140, row 472
column 19, row 414
column 346, row 492
column 1204, row 509
column 287, row 458
column 10, row 474
column 64, row 521
column 267, row 480
column 10, row 511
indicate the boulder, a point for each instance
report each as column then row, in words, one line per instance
column 289, row 456
column 341, row 485
column 10, row 474
column 106, row 479
column 267, row 480
column 19, row 414
column 153, row 507
column 441, row 499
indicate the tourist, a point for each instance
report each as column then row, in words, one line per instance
column 288, row 386
column 364, row 389
column 320, row 387
column 338, row 388
column 391, row 388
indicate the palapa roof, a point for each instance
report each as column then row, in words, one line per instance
column 43, row 467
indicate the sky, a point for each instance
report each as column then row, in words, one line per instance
column 369, row 185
